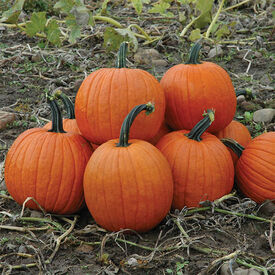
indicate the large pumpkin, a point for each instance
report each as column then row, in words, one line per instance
column 48, row 165
column 107, row 95
column 237, row 131
column 194, row 87
column 201, row 165
column 69, row 124
column 255, row 169
column 128, row 184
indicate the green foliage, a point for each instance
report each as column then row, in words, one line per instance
column 161, row 8
column 37, row 23
column 11, row 15
column 195, row 35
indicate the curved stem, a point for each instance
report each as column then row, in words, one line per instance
column 147, row 37
column 108, row 20
column 57, row 124
column 125, row 128
column 201, row 126
column 121, row 57
column 194, row 54
column 233, row 145
column 184, row 31
column 211, row 26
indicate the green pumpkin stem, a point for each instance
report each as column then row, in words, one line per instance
column 233, row 145
column 246, row 92
column 201, row 126
column 125, row 128
column 66, row 101
column 194, row 54
column 57, row 123
column 121, row 57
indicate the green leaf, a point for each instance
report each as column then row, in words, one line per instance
column 104, row 7
column 53, row 32
column 203, row 21
column 204, row 6
column 11, row 15
column 128, row 36
column 222, row 31
column 64, row 5
column 138, row 5
column 195, row 35
column 74, row 34
column 36, row 24
column 81, row 14
column 112, row 39
column 160, row 7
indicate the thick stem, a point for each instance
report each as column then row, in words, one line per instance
column 194, row 54
column 201, row 126
column 57, row 124
column 125, row 128
column 66, row 101
column 121, row 58
column 233, row 145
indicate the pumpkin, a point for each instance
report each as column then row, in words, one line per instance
column 163, row 130
column 48, row 165
column 69, row 124
column 237, row 131
column 194, row 87
column 255, row 169
column 107, row 95
column 128, row 183
column 201, row 165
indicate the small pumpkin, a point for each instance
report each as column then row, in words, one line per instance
column 237, row 131
column 48, row 165
column 128, row 184
column 195, row 86
column 69, row 124
column 255, row 169
column 107, row 95
column 201, row 165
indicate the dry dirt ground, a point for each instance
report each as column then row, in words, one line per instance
column 235, row 231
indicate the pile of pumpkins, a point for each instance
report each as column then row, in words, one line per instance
column 133, row 148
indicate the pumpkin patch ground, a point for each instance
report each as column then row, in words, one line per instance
column 232, row 235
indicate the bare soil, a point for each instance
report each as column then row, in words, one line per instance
column 236, row 230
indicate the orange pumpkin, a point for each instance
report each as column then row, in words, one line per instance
column 194, row 87
column 255, row 169
column 201, row 165
column 69, row 124
column 237, row 131
column 107, row 95
column 48, row 165
column 128, row 184
column 163, row 130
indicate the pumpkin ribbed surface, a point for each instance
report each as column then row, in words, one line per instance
column 192, row 88
column 238, row 132
column 201, row 170
column 107, row 95
column 128, row 187
column 255, row 169
column 49, row 167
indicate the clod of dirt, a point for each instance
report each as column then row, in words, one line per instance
column 225, row 268
column 217, row 51
column 6, row 118
column 267, row 208
column 250, row 271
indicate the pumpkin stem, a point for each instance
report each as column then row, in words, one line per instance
column 201, row 126
column 246, row 92
column 66, row 101
column 121, row 57
column 194, row 54
column 125, row 128
column 57, row 123
column 233, row 145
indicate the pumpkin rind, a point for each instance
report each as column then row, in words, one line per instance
column 238, row 132
column 255, row 169
column 49, row 167
column 202, row 170
column 128, row 184
column 192, row 88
